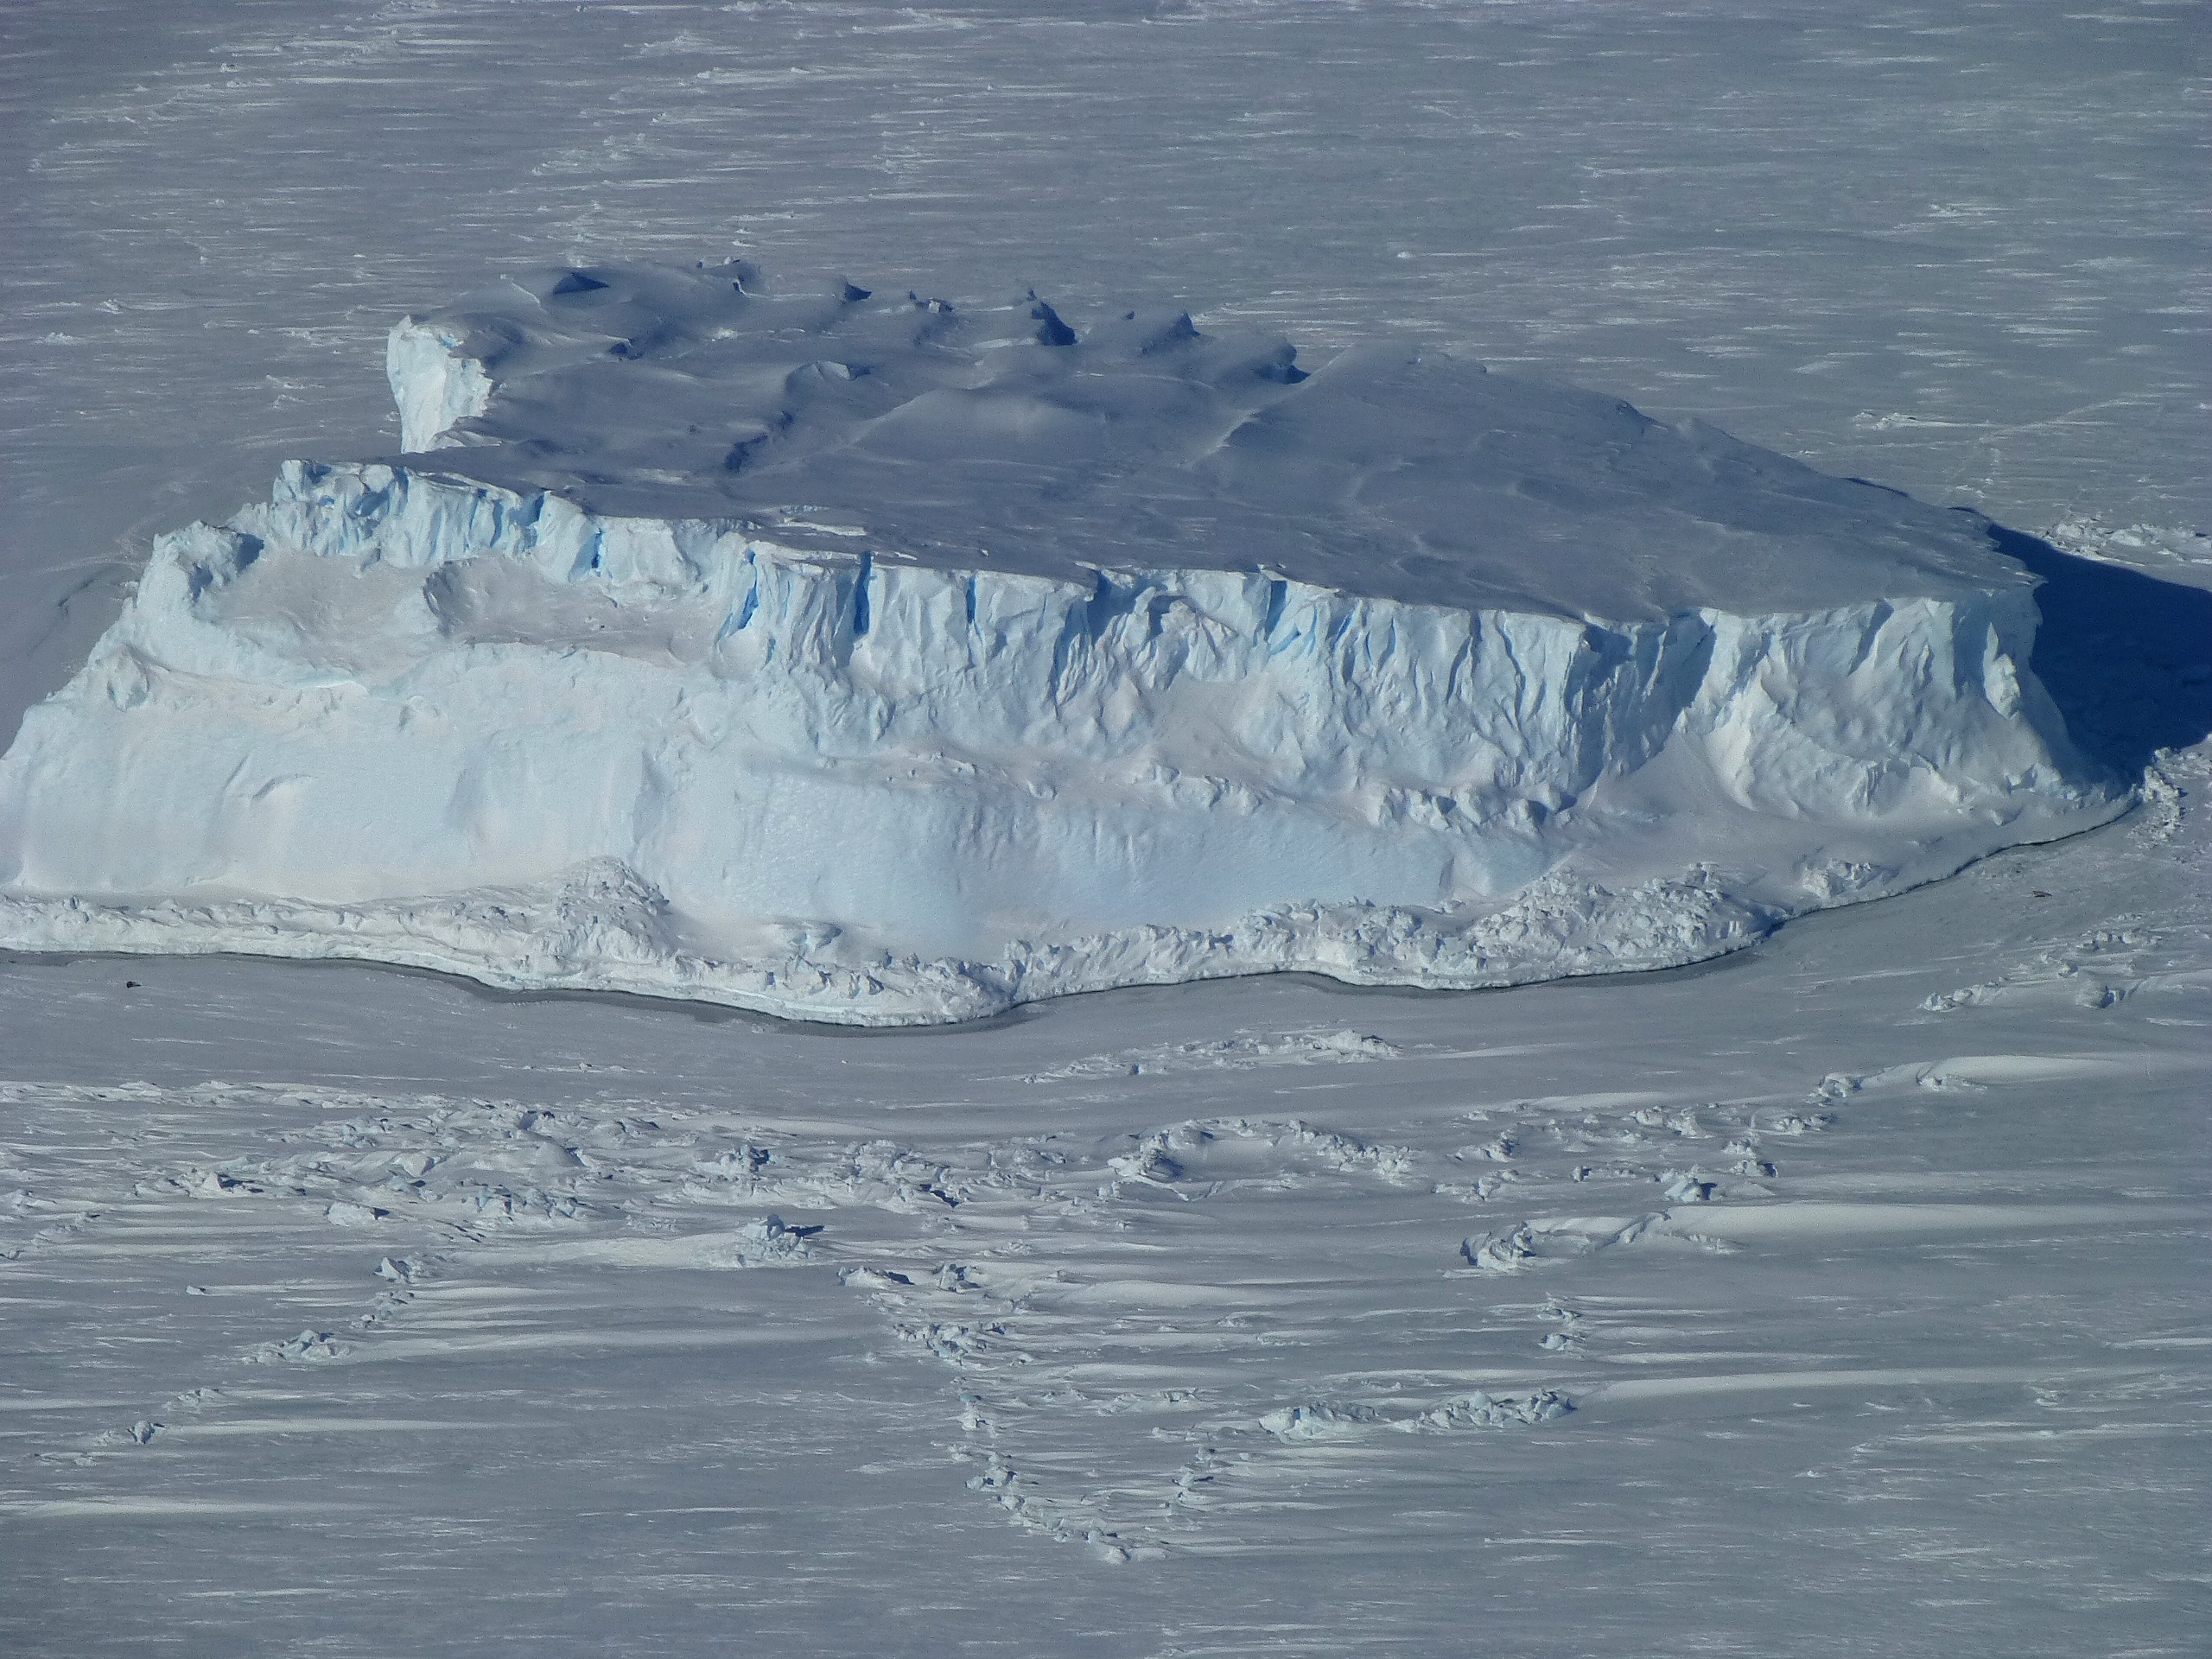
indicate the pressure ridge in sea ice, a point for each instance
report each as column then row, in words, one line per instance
column 866, row 658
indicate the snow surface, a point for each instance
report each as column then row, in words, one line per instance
column 1855, row 1255
column 1843, row 1296
column 946, row 435
column 987, row 661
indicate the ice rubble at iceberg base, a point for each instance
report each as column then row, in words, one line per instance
column 398, row 714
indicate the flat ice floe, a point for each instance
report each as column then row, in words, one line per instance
column 881, row 661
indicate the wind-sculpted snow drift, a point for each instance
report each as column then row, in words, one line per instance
column 878, row 661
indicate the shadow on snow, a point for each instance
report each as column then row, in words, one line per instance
column 2126, row 657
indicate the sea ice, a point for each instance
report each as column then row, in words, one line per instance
column 877, row 660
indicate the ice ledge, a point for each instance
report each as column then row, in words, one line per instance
column 600, row 927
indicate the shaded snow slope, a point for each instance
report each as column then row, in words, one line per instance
column 883, row 662
column 999, row 438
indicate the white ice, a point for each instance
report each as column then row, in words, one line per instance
column 884, row 660
column 1842, row 1295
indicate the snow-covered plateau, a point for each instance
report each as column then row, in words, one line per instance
column 881, row 661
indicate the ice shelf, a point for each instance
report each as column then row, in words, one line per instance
column 873, row 660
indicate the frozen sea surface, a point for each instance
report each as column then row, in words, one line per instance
column 1843, row 1297
column 1937, row 1382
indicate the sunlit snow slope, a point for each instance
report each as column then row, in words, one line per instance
column 867, row 658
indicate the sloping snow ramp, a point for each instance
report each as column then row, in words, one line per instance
column 876, row 661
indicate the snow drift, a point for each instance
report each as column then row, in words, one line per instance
column 876, row 661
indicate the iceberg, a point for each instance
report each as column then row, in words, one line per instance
column 871, row 659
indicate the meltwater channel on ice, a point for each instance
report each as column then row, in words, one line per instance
column 867, row 658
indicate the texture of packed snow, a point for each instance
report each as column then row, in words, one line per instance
column 883, row 661
column 1519, row 1287
column 354, row 1311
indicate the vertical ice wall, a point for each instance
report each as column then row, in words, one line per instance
column 801, row 757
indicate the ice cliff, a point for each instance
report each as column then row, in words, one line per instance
column 874, row 660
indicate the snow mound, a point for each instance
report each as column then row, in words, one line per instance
column 881, row 662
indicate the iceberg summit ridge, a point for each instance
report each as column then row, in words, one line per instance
column 984, row 660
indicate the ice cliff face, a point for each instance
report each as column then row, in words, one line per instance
column 875, row 715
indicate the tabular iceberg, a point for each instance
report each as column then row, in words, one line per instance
column 878, row 661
